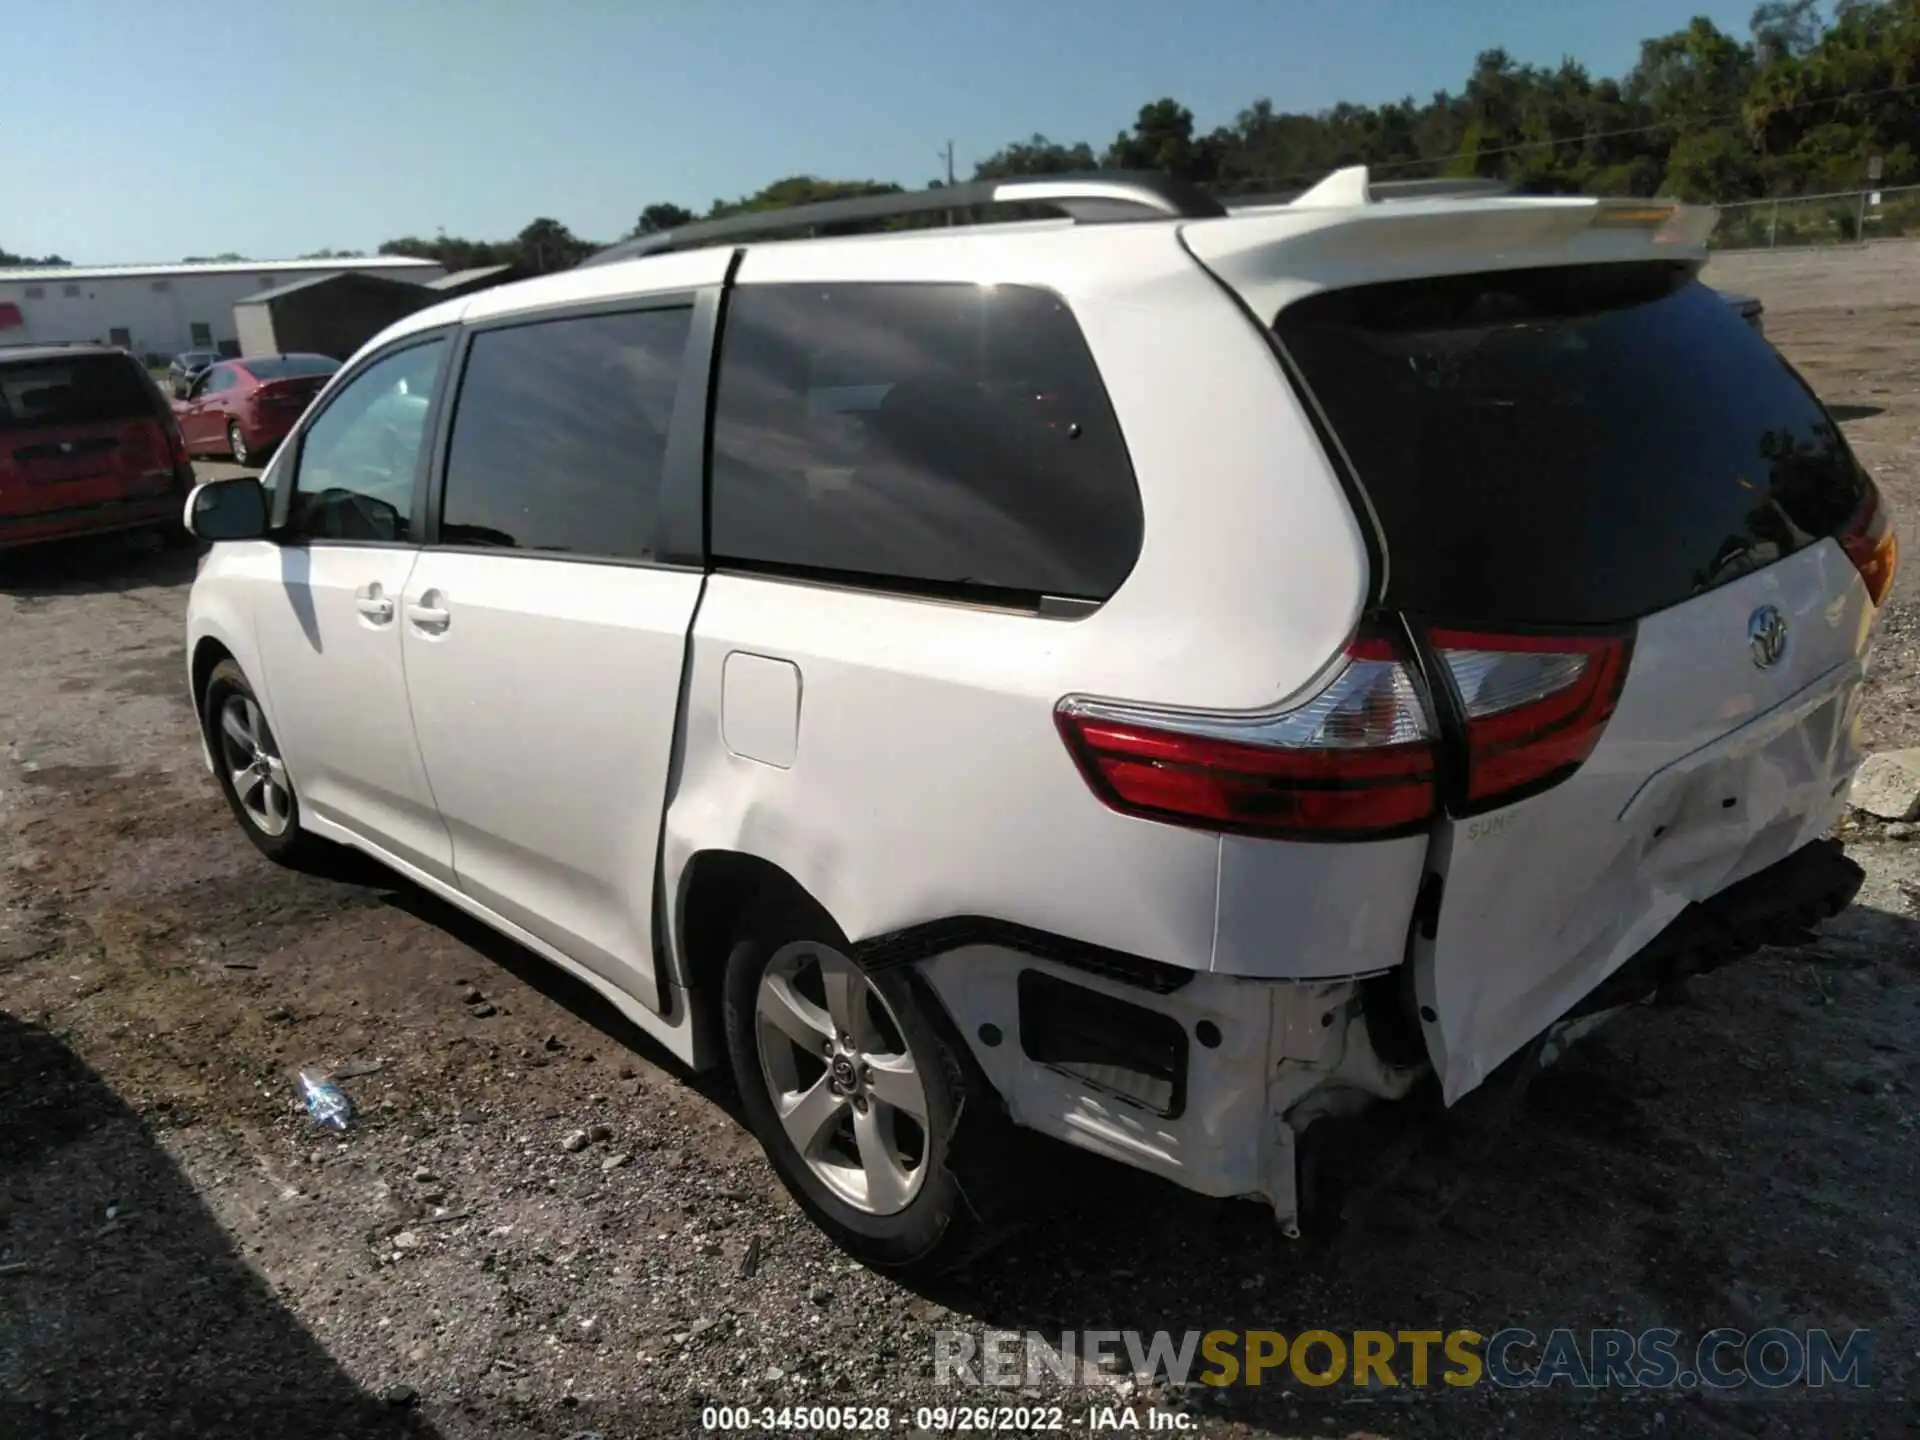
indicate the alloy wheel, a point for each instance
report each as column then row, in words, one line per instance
column 254, row 765
column 237, row 445
column 845, row 1085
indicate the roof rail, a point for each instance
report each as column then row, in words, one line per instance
column 1097, row 197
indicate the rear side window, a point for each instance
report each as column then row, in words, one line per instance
column 1578, row 445
column 81, row 390
column 561, row 434
column 951, row 437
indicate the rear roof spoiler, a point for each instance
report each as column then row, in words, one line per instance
column 1355, row 185
column 1272, row 257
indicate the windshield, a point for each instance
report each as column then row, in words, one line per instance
column 1577, row 445
column 286, row 367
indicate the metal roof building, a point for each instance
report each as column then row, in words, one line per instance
column 328, row 315
column 156, row 311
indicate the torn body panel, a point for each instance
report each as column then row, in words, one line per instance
column 1263, row 1059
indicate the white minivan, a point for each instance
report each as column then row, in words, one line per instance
column 1162, row 677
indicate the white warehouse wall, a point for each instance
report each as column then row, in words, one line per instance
column 158, row 306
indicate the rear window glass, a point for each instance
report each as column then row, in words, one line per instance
column 81, row 390
column 953, row 437
column 286, row 367
column 1570, row 445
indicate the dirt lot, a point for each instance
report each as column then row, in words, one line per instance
column 183, row 1253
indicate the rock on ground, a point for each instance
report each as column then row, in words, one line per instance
column 1888, row 785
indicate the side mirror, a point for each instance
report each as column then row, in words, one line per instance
column 228, row 510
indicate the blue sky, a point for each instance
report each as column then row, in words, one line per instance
column 154, row 129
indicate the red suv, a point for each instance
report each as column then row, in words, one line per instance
column 87, row 444
column 244, row 408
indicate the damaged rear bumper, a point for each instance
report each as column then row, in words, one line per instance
column 1210, row 1080
column 1779, row 905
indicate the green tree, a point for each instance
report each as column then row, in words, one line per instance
column 1036, row 156
column 1797, row 107
column 1163, row 139
column 8, row 258
column 800, row 190
column 547, row 245
column 658, row 217
column 1784, row 30
column 453, row 252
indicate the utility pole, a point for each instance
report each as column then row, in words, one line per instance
column 947, row 154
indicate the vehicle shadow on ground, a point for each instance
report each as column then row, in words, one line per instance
column 1844, row 413
column 125, row 1309
column 97, row 564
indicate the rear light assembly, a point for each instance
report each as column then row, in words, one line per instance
column 1533, row 706
column 144, row 449
column 1872, row 544
column 1363, row 759
column 1356, row 762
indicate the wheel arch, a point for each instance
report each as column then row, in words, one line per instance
column 219, row 627
column 716, row 890
column 208, row 651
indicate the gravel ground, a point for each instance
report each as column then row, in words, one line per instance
column 183, row 1253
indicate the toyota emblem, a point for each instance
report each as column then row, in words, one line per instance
column 1767, row 636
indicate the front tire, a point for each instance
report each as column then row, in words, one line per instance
column 884, row 1134
column 252, row 775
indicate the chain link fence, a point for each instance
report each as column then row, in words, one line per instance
column 1845, row 217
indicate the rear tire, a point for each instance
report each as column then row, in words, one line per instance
column 247, row 763
column 237, row 445
column 896, row 1190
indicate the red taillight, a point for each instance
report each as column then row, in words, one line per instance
column 1355, row 762
column 143, row 448
column 286, row 392
column 1872, row 544
column 1534, row 705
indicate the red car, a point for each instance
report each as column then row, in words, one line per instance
column 245, row 407
column 87, row 444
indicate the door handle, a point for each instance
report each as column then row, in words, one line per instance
column 372, row 602
column 429, row 612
